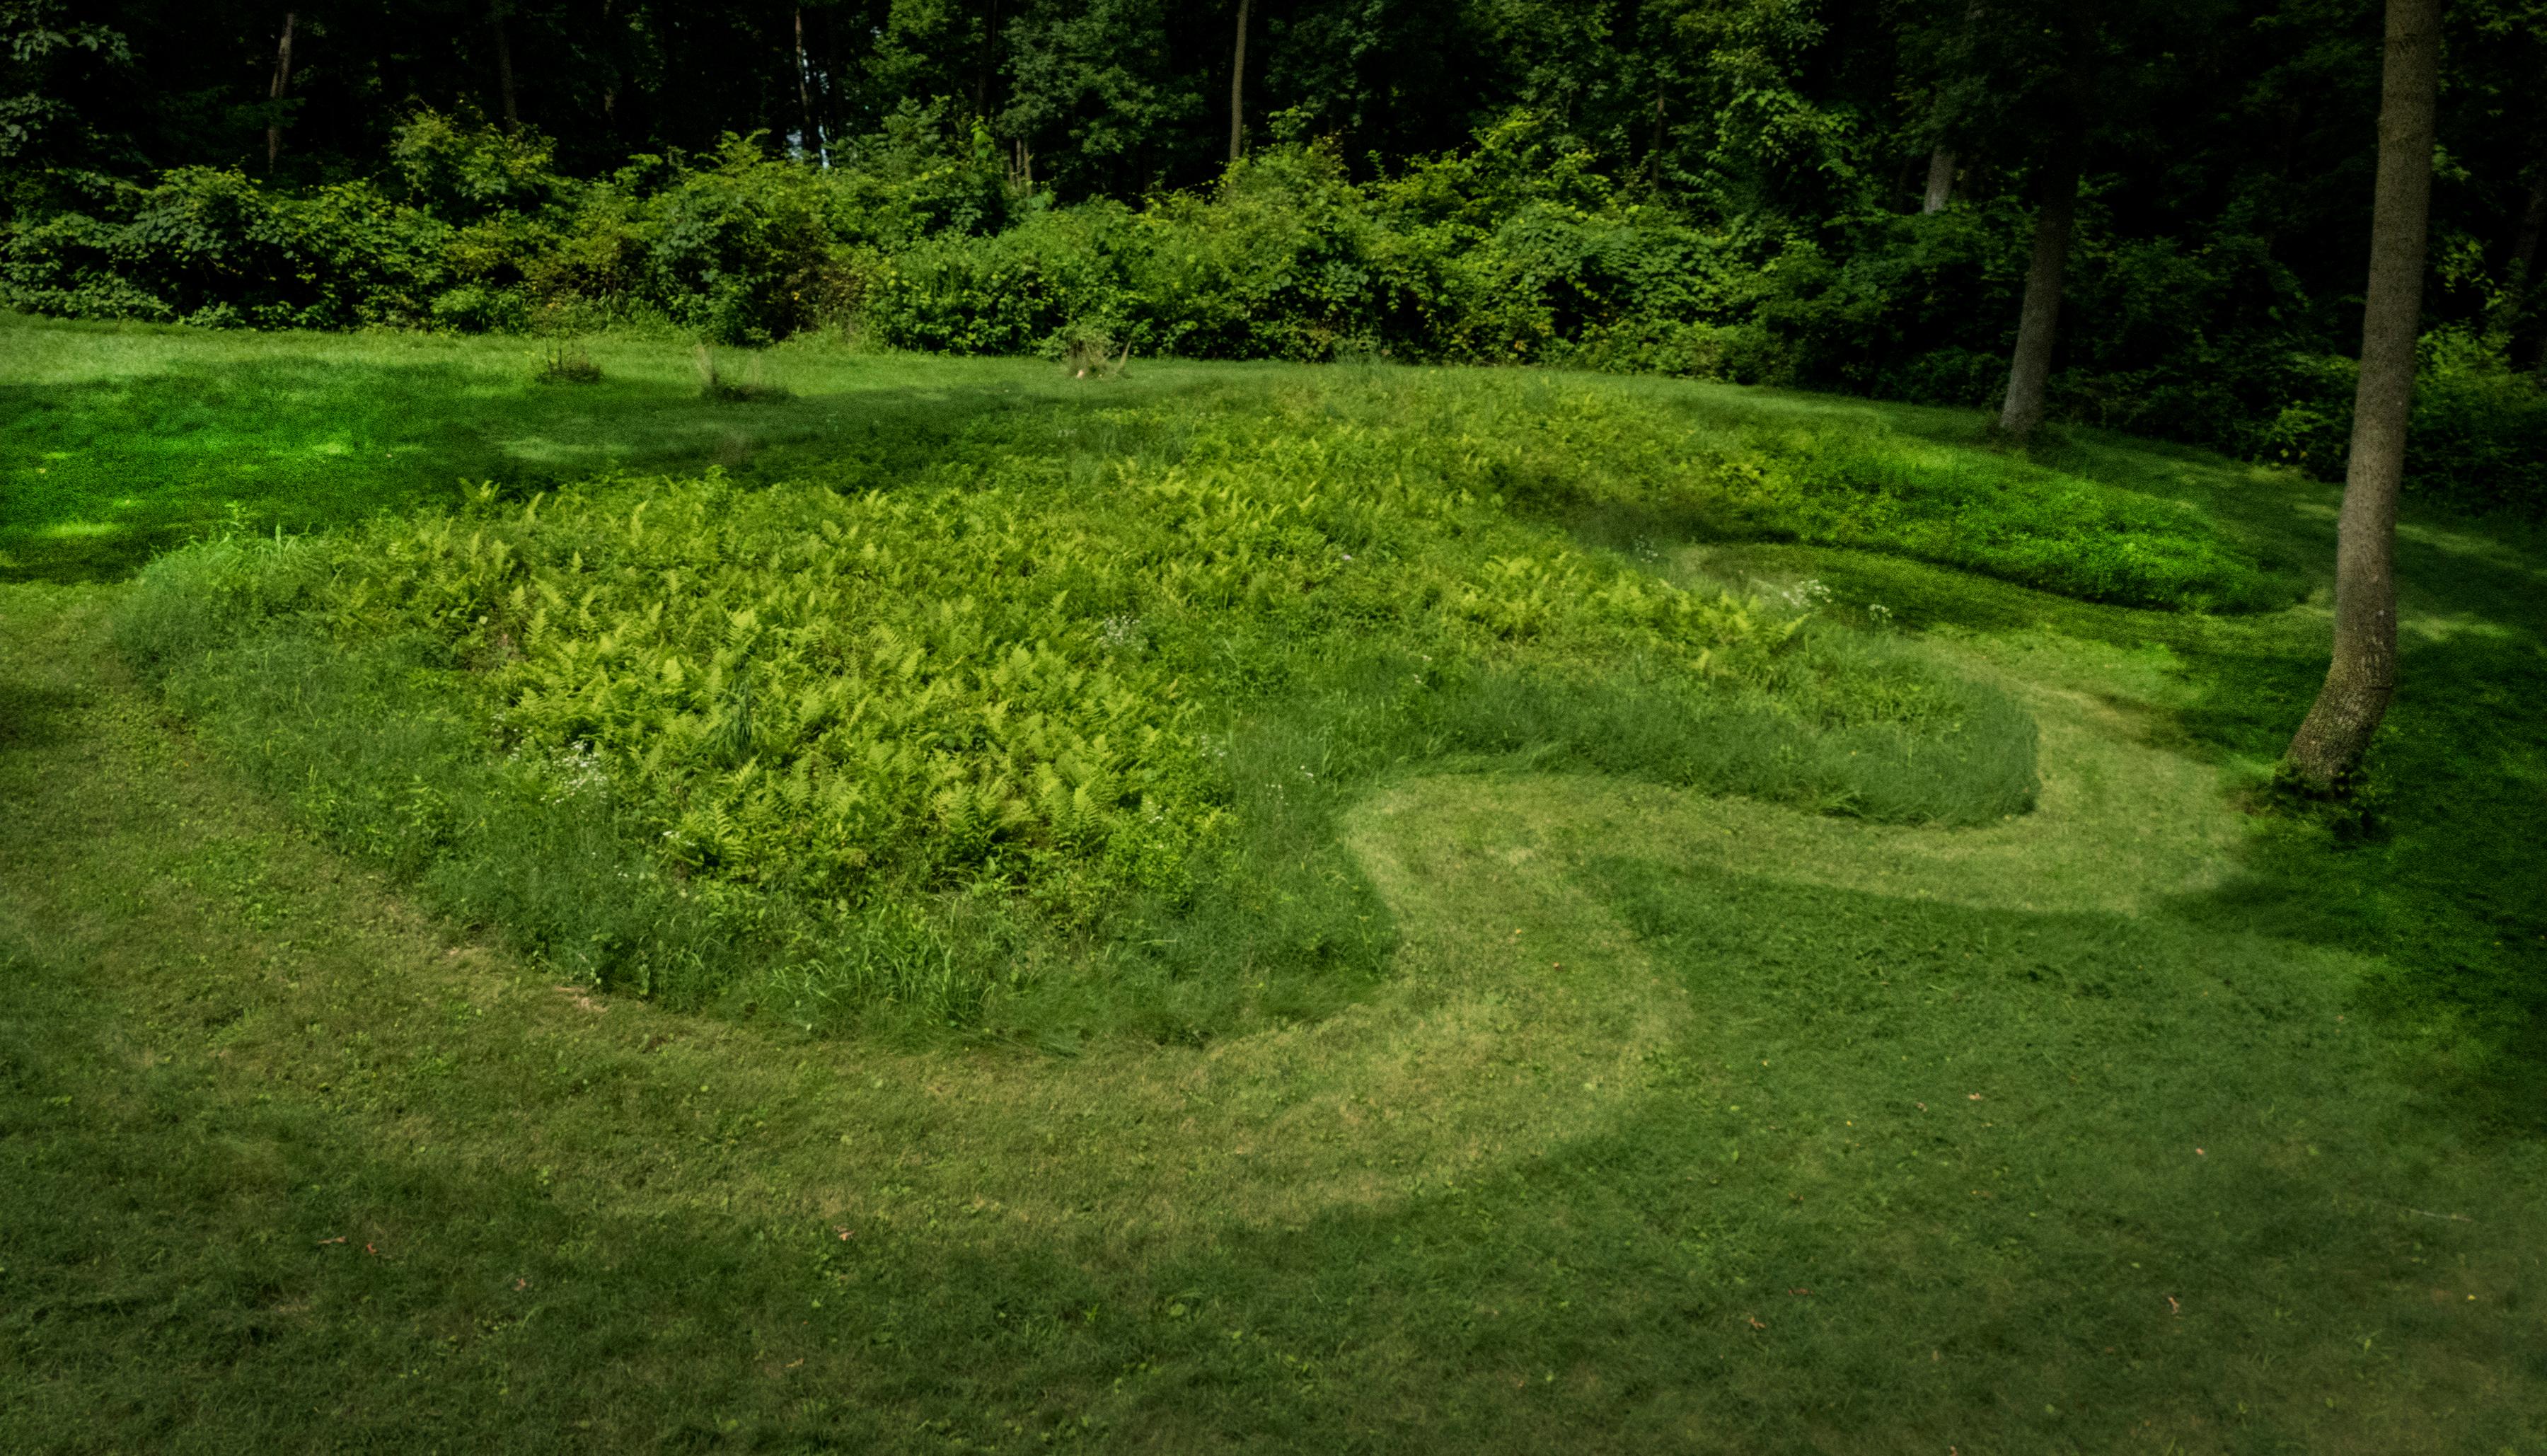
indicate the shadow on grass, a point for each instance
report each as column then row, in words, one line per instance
column 31, row 717
column 1784, row 1255
column 2449, row 891
column 100, row 477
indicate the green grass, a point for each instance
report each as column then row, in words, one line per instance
column 1657, row 1130
column 119, row 442
column 1097, row 673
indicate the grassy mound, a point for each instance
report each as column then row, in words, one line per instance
column 1084, row 693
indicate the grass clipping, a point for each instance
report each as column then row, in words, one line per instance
column 1040, row 741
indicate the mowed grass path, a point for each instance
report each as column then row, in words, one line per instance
column 1681, row 1124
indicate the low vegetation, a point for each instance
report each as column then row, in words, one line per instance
column 1100, row 671
column 1519, row 248
column 950, row 910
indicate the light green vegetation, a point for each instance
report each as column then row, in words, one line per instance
column 119, row 442
column 1657, row 1119
column 1114, row 666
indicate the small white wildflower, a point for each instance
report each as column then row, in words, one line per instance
column 1122, row 633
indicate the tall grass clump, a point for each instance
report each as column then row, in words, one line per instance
column 564, row 362
column 718, row 385
column 1057, row 730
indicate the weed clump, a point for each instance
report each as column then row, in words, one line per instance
column 715, row 384
column 1087, row 351
column 562, row 362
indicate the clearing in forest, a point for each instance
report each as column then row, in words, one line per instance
column 960, row 907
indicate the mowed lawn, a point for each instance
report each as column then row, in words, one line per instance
column 2139, row 1122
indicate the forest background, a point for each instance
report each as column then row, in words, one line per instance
column 1833, row 193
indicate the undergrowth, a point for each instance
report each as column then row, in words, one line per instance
column 1049, row 738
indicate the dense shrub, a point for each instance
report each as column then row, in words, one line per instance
column 2478, row 437
column 215, row 249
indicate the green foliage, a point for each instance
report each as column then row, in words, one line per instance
column 1517, row 249
column 2291, row 1083
column 2479, row 436
column 462, row 169
column 215, row 249
column 1617, row 463
column 45, row 58
column 1106, row 673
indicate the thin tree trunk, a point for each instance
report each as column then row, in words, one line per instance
column 1941, row 180
column 2521, row 307
column 1654, row 154
column 2029, row 374
column 504, row 68
column 803, row 88
column 2533, row 223
column 2329, row 747
column 274, row 93
column 2278, row 165
column 990, row 58
column 610, row 87
column 1238, row 87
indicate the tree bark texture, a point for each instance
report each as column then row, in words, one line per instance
column 1238, row 87
column 504, row 68
column 2363, row 678
column 804, row 89
column 2029, row 374
column 274, row 93
column 1941, row 180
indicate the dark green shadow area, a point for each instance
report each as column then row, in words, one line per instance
column 98, row 476
column 2448, row 885
column 1777, row 1247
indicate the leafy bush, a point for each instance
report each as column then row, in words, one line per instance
column 214, row 247
column 460, row 169
column 2478, row 440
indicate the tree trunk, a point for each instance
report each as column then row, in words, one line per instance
column 1941, row 180
column 808, row 139
column 1238, row 87
column 2029, row 374
column 504, row 68
column 274, row 93
column 990, row 60
column 2533, row 223
column 610, row 85
column 2522, row 307
column 2330, row 742
column 1654, row 154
